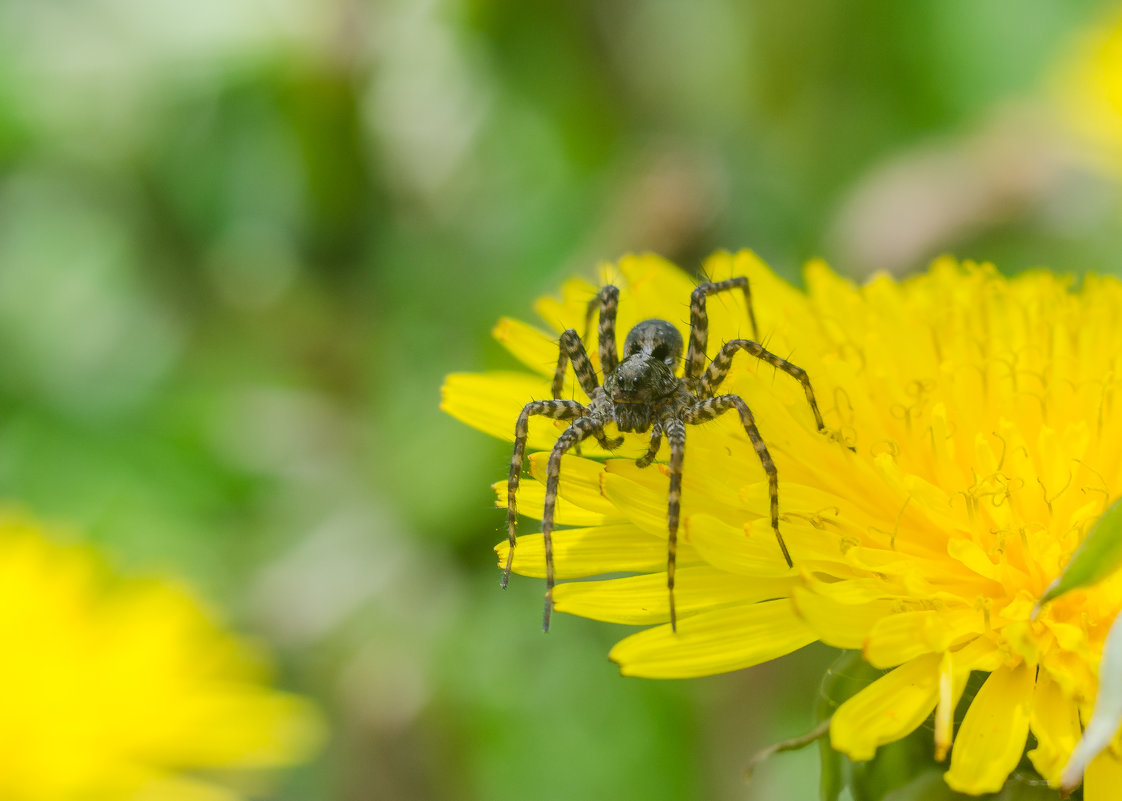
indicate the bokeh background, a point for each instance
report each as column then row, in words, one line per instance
column 241, row 244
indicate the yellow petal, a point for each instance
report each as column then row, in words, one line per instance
column 971, row 554
column 734, row 550
column 779, row 306
column 950, row 691
column 852, row 591
column 816, row 522
column 881, row 560
column 569, row 311
column 701, row 488
column 643, row 600
column 579, row 552
column 650, row 287
column 1103, row 777
column 897, row 638
column 644, row 506
column 839, row 624
column 993, row 733
column 954, row 669
column 580, row 481
column 657, row 289
column 719, row 265
column 491, row 402
column 533, row 347
column 890, row 708
column 711, row 642
column 728, row 314
column 1054, row 721
column 531, row 503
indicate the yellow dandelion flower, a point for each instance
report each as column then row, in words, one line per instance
column 125, row 688
column 984, row 423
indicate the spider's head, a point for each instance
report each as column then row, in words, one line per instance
column 646, row 374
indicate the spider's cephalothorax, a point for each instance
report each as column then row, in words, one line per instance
column 641, row 393
column 644, row 380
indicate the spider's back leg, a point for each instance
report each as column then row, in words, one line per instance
column 675, row 435
column 558, row 410
column 709, row 408
column 699, row 323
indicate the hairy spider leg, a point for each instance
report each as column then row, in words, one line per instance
column 652, row 451
column 720, row 367
column 607, row 301
column 577, row 431
column 558, row 410
column 699, row 324
column 709, row 408
column 676, row 436
column 572, row 350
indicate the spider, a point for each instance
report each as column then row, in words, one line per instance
column 641, row 393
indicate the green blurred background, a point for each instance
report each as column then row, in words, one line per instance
column 241, row 244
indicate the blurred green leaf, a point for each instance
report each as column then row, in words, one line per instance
column 792, row 744
column 849, row 674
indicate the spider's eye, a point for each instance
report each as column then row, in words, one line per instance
column 661, row 351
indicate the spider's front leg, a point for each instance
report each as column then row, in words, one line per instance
column 709, row 408
column 720, row 367
column 580, row 429
column 699, row 324
column 572, row 350
column 558, row 410
column 652, row 450
column 606, row 300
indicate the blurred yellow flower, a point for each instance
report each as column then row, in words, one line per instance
column 126, row 688
column 1086, row 90
column 984, row 417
